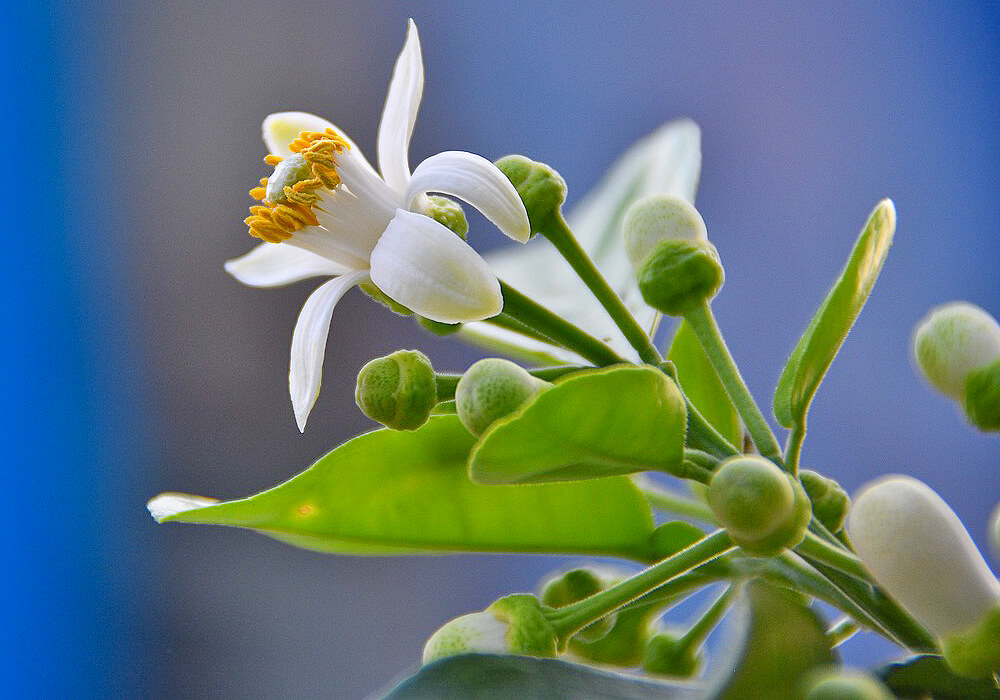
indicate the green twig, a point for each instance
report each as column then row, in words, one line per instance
column 841, row 631
column 664, row 499
column 838, row 558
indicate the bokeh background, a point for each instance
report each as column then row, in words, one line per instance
column 133, row 364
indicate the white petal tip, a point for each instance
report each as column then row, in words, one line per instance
column 168, row 504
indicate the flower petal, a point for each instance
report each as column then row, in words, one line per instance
column 400, row 112
column 309, row 344
column 477, row 181
column 281, row 128
column 275, row 264
column 426, row 267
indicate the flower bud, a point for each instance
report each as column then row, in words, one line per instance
column 982, row 397
column 512, row 625
column 399, row 390
column 830, row 501
column 669, row 655
column 919, row 551
column 658, row 218
column 678, row 274
column 763, row 508
column 491, row 389
column 449, row 213
column 845, row 684
column 953, row 341
column 542, row 189
column 573, row 586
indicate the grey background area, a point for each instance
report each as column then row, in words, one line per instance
column 810, row 114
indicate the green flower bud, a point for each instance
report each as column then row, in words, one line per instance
column 845, row 684
column 449, row 213
column 624, row 645
column 763, row 508
column 953, row 341
column 491, row 389
column 399, row 390
column 830, row 501
column 668, row 655
column 512, row 625
column 541, row 188
column 982, row 398
column 680, row 273
column 573, row 586
column 659, row 218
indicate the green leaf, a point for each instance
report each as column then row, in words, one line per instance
column 667, row 162
column 778, row 641
column 618, row 420
column 391, row 492
column 491, row 677
column 929, row 676
column 829, row 327
column 702, row 386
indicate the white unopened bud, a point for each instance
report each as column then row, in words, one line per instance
column 478, row 632
column 953, row 341
column 658, row 218
column 919, row 551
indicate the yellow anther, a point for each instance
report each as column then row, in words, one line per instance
column 285, row 211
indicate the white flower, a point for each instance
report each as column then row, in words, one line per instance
column 479, row 633
column 326, row 211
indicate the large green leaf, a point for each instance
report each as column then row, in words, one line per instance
column 667, row 161
column 618, row 420
column 829, row 327
column 778, row 641
column 490, row 677
column 401, row 492
column 702, row 386
column 929, row 676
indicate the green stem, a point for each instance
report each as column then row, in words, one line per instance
column 838, row 558
column 702, row 459
column 570, row 619
column 793, row 446
column 703, row 436
column 700, row 630
column 447, row 382
column 565, row 242
column 526, row 311
column 512, row 324
column 675, row 589
column 841, row 631
column 702, row 322
column 664, row 499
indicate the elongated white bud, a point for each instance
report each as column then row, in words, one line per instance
column 478, row 632
column 919, row 551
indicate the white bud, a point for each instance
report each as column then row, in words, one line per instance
column 478, row 632
column 953, row 341
column 919, row 551
column 658, row 218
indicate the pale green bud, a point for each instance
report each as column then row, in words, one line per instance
column 919, row 551
column 512, row 625
column 845, row 684
column 491, row 389
column 830, row 501
column 678, row 274
column 574, row 586
column 542, row 190
column 658, row 218
column 399, row 390
column 292, row 169
column 763, row 508
column 953, row 341
column 982, row 398
column 668, row 655
column 449, row 213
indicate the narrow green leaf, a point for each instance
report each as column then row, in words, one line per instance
column 829, row 327
column 389, row 492
column 929, row 676
column 778, row 642
column 618, row 420
column 491, row 677
column 702, row 386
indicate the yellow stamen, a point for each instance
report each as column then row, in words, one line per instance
column 275, row 222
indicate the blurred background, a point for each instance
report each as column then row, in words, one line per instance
column 133, row 364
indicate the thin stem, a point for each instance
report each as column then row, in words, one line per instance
column 570, row 619
column 664, row 499
column 447, row 381
column 703, row 436
column 526, row 311
column 512, row 324
column 820, row 550
column 700, row 630
column 675, row 589
column 842, row 630
column 793, row 446
column 702, row 459
column 702, row 322
column 565, row 242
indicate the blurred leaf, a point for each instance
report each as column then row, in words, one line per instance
column 390, row 492
column 829, row 327
column 929, row 676
column 667, row 161
column 702, row 386
column 778, row 641
column 490, row 677
column 614, row 421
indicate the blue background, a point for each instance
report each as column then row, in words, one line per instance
column 133, row 364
